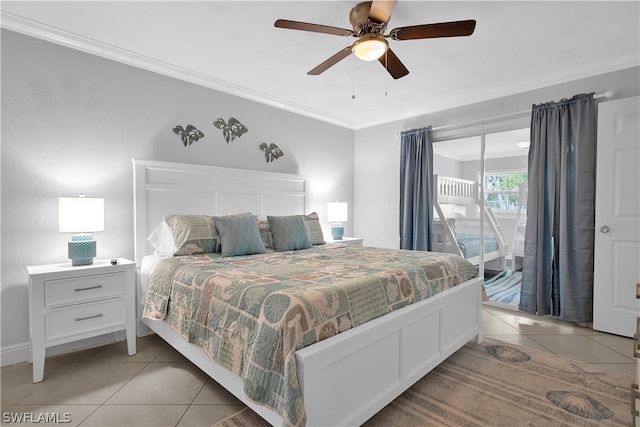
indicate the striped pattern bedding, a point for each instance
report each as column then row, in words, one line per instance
column 470, row 244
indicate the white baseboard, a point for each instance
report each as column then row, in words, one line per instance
column 18, row 353
column 12, row 354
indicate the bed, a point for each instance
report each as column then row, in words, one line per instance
column 456, row 228
column 343, row 379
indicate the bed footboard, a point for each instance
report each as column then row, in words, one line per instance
column 347, row 379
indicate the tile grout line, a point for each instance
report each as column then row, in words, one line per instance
column 192, row 400
column 114, row 393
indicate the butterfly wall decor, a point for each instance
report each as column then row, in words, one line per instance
column 232, row 130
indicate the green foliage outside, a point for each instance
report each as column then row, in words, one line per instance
column 501, row 190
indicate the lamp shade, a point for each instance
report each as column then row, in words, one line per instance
column 337, row 212
column 80, row 214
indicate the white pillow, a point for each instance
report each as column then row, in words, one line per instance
column 162, row 240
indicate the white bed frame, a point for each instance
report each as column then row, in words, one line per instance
column 344, row 379
column 463, row 192
column 517, row 245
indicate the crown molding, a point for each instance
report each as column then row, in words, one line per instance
column 40, row 31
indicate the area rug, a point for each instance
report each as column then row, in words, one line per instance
column 499, row 384
column 504, row 287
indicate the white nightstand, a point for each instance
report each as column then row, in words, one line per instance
column 355, row 241
column 68, row 303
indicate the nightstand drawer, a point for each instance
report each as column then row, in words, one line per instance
column 74, row 290
column 78, row 319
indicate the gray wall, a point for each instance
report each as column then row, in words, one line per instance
column 377, row 149
column 445, row 166
column 72, row 122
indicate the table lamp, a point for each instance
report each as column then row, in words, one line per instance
column 81, row 215
column 337, row 213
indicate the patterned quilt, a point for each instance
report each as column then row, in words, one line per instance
column 251, row 313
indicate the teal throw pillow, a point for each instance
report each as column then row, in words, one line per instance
column 239, row 235
column 288, row 232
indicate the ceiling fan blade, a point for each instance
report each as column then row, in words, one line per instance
column 429, row 31
column 393, row 65
column 331, row 62
column 380, row 11
column 314, row 28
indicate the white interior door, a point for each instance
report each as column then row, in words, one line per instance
column 617, row 241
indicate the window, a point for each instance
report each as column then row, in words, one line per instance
column 501, row 189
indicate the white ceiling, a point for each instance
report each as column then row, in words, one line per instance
column 233, row 46
column 497, row 145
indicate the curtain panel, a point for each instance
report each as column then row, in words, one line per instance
column 416, row 189
column 559, row 237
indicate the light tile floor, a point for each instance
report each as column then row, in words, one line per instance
column 103, row 386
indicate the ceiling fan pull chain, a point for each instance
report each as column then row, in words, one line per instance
column 386, row 75
column 353, row 87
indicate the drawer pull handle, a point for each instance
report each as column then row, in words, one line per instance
column 88, row 289
column 95, row 316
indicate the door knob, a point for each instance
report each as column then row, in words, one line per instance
column 604, row 229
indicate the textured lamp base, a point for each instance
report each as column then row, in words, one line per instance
column 337, row 231
column 82, row 249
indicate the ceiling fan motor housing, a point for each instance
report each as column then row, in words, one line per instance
column 359, row 18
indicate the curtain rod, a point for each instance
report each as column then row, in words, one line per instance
column 606, row 94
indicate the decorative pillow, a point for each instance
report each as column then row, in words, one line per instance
column 312, row 222
column 239, row 235
column 289, row 232
column 192, row 234
column 265, row 233
column 162, row 240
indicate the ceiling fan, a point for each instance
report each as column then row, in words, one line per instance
column 369, row 20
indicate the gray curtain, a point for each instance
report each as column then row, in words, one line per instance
column 558, row 250
column 416, row 189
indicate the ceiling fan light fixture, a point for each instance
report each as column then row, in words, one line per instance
column 370, row 47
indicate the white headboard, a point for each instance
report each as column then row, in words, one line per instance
column 165, row 188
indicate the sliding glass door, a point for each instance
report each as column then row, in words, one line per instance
column 494, row 166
